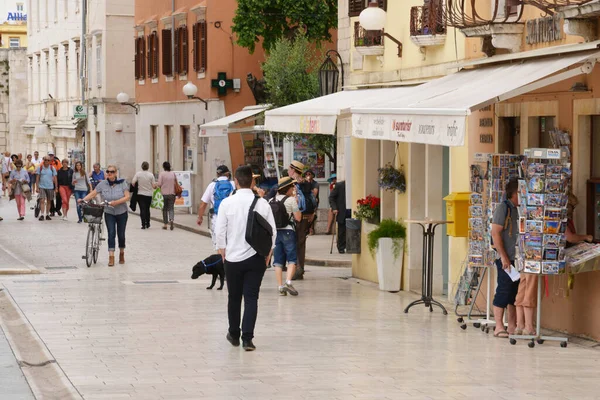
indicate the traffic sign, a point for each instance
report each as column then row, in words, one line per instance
column 79, row 111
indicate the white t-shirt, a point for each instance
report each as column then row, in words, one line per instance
column 209, row 194
column 291, row 206
column 144, row 179
column 6, row 165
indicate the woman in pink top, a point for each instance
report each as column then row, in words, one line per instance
column 166, row 183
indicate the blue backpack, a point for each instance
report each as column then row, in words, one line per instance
column 222, row 191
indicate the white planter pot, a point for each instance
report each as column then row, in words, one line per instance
column 389, row 268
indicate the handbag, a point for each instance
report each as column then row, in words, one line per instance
column 158, row 201
column 178, row 189
column 259, row 233
column 25, row 187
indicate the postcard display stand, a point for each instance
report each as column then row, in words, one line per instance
column 542, row 224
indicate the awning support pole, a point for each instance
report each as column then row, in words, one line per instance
column 275, row 158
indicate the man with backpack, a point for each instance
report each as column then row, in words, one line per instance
column 47, row 186
column 286, row 213
column 307, row 206
column 505, row 234
column 215, row 193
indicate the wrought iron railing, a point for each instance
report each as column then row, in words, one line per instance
column 550, row 6
column 428, row 19
column 365, row 38
column 471, row 13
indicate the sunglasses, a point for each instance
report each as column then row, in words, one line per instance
column 110, row 171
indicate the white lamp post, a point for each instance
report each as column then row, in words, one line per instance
column 123, row 98
column 373, row 18
column 190, row 91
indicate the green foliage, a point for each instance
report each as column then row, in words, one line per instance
column 291, row 74
column 272, row 20
column 388, row 228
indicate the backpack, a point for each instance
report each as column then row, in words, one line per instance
column 306, row 199
column 222, row 191
column 282, row 218
column 259, row 233
column 507, row 216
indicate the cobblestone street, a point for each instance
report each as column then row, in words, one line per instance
column 145, row 330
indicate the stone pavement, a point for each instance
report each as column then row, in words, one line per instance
column 13, row 385
column 318, row 247
column 146, row 331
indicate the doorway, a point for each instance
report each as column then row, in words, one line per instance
column 509, row 135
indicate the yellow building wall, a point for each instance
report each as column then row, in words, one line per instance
column 8, row 31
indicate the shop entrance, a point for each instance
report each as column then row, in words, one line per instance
column 509, row 135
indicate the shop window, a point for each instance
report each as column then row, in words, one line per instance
column 167, row 51
column 200, row 50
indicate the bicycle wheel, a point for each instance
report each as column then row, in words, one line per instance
column 89, row 246
column 97, row 243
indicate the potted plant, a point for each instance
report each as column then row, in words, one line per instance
column 368, row 209
column 391, row 178
column 386, row 243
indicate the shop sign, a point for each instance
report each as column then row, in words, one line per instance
column 16, row 16
column 480, row 157
column 486, row 122
column 310, row 125
column 79, row 111
column 486, row 108
column 185, row 181
column 486, row 138
column 553, row 153
column 542, row 30
column 445, row 130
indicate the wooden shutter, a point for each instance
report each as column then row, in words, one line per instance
column 177, row 52
column 355, row 7
column 195, row 47
column 142, row 57
column 185, row 55
column 203, row 46
column 155, row 54
column 149, row 55
column 167, row 51
column 382, row 4
column 137, row 58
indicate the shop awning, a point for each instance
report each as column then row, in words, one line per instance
column 237, row 122
column 319, row 115
column 436, row 113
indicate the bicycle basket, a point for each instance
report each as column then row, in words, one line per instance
column 92, row 214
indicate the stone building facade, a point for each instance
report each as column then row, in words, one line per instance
column 13, row 98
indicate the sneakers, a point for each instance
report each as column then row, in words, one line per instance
column 248, row 345
column 235, row 342
column 48, row 218
column 290, row 289
column 41, row 218
column 282, row 291
column 65, row 218
column 20, row 218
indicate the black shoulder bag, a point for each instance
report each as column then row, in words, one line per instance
column 259, row 233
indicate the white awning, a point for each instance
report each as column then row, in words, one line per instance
column 436, row 113
column 319, row 115
column 223, row 126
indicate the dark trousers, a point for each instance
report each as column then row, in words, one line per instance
column 116, row 225
column 302, row 229
column 244, row 279
column 144, row 203
column 341, row 236
column 169, row 208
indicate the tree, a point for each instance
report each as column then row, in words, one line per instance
column 272, row 20
column 291, row 75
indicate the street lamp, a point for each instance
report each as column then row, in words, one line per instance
column 329, row 74
column 373, row 18
column 190, row 91
column 123, row 98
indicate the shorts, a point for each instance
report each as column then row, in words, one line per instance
column 527, row 295
column 506, row 291
column 47, row 194
column 285, row 248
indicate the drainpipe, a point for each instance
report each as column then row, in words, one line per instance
column 82, row 57
column 173, row 37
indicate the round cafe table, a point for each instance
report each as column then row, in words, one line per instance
column 427, row 273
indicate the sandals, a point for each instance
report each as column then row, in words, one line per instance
column 501, row 335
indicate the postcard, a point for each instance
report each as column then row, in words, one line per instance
column 513, row 273
column 536, row 184
column 552, row 213
column 554, row 186
column 475, row 260
column 552, row 227
column 522, row 225
column 562, row 267
column 519, row 264
column 533, row 253
column 532, row 240
column 553, row 171
column 476, row 211
column 476, row 224
column 550, row 267
column 556, row 200
column 550, row 254
column 533, row 226
column 535, row 199
column 476, row 199
column 475, row 235
column 536, row 213
column 532, row 267
column 553, row 241
column 536, row 169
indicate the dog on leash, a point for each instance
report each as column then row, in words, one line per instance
column 212, row 265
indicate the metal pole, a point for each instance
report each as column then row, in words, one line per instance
column 82, row 57
column 538, row 318
column 276, row 159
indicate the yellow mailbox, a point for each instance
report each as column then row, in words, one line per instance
column 457, row 211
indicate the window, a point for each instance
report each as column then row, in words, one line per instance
column 153, row 55
column 19, row 6
column 154, row 149
column 78, row 62
column 181, row 50
column 15, row 42
column 187, row 161
column 67, row 94
column 140, row 58
column 66, row 10
column 98, row 62
column 56, row 72
column 97, row 146
column 355, row 7
column 167, row 51
column 168, row 138
column 200, row 52
column 47, row 75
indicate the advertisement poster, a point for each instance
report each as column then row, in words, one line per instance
column 185, row 181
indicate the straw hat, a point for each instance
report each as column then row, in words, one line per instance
column 297, row 166
column 285, row 182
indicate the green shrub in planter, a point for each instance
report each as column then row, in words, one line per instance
column 388, row 228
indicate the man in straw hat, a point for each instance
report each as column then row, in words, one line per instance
column 286, row 245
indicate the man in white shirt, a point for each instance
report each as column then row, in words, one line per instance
column 244, row 267
column 214, row 194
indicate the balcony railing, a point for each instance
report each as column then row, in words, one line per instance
column 365, row 38
column 550, row 5
column 428, row 19
column 466, row 13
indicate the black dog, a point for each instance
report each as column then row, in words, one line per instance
column 211, row 265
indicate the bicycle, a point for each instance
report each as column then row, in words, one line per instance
column 92, row 215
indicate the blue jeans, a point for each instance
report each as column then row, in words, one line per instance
column 285, row 248
column 116, row 224
column 80, row 194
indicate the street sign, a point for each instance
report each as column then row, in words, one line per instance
column 79, row 111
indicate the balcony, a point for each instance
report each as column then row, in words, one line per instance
column 580, row 17
column 368, row 43
column 427, row 24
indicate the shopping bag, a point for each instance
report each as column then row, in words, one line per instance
column 158, row 201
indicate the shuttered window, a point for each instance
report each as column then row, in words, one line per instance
column 355, row 7
column 140, row 58
column 185, row 53
column 167, row 51
column 153, row 55
column 200, row 51
column 137, row 60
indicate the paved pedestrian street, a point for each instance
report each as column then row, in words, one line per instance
column 145, row 330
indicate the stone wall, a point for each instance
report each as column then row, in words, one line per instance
column 13, row 99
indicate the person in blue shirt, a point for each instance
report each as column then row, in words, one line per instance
column 96, row 175
column 47, row 186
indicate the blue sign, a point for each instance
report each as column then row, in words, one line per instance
column 16, row 16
